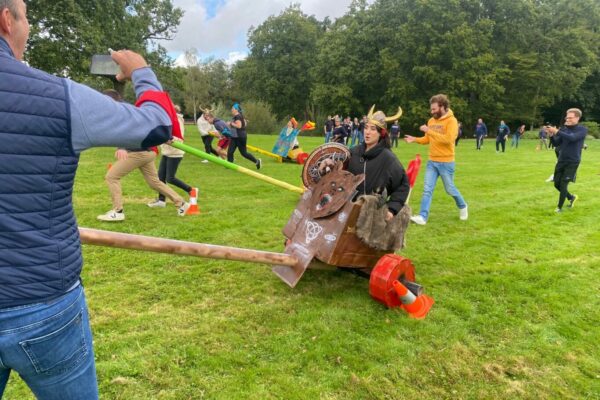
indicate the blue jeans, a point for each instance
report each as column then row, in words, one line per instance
column 515, row 140
column 355, row 137
column 50, row 346
column 444, row 170
column 327, row 136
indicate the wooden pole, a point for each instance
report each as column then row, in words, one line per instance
column 159, row 245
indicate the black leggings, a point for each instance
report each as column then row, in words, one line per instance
column 166, row 173
column 241, row 144
column 207, row 140
column 502, row 142
column 564, row 173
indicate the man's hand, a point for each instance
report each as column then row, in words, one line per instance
column 409, row 139
column 121, row 154
column 389, row 216
column 424, row 128
column 551, row 130
column 128, row 61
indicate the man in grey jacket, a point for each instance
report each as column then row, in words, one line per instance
column 46, row 123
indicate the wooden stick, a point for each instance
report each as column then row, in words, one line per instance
column 159, row 245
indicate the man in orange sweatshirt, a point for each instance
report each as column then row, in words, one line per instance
column 440, row 133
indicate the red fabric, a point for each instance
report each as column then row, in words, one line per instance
column 413, row 170
column 163, row 100
column 223, row 143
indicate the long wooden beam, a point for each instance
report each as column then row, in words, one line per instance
column 148, row 243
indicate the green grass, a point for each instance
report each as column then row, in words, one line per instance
column 517, row 292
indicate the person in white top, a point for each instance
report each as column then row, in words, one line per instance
column 205, row 128
column 169, row 162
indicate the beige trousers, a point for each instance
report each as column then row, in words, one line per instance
column 144, row 160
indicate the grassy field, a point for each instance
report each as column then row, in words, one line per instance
column 517, row 290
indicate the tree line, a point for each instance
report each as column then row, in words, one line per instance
column 522, row 61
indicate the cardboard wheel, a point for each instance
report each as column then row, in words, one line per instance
column 389, row 268
column 335, row 151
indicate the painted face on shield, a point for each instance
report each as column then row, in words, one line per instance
column 333, row 191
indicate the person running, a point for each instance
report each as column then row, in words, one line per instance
column 239, row 138
column 223, row 130
column 205, row 130
column 169, row 163
column 440, row 133
column 570, row 139
column 129, row 159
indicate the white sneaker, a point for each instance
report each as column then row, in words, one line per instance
column 157, row 204
column 550, row 179
column 418, row 219
column 112, row 216
column 464, row 213
column 183, row 209
column 258, row 163
column 205, row 161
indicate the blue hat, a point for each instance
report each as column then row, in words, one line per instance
column 237, row 107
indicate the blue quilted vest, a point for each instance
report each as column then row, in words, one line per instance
column 40, row 253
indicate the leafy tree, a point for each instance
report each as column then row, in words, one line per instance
column 282, row 51
column 66, row 33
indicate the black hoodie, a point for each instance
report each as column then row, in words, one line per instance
column 382, row 171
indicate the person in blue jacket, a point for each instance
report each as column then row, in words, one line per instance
column 501, row 136
column 481, row 131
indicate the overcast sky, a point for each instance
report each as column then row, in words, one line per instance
column 219, row 28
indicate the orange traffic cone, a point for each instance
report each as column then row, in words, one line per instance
column 193, row 210
column 416, row 306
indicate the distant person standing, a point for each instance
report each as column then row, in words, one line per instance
column 570, row 138
column 501, row 135
column 395, row 133
column 361, row 129
column 440, row 133
column 355, row 137
column 339, row 132
column 481, row 131
column 516, row 136
column 328, row 128
column 239, row 137
column 543, row 138
column 348, row 128
column 460, row 133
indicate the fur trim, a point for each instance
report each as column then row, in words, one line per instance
column 374, row 231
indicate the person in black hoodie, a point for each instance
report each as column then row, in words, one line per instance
column 384, row 174
column 569, row 138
